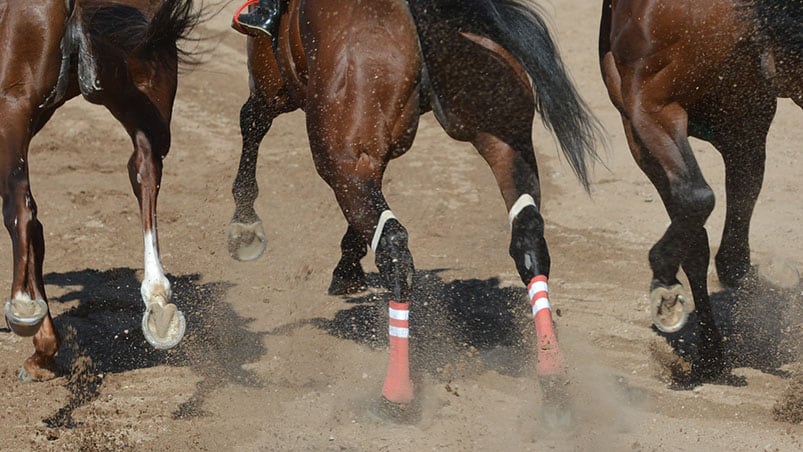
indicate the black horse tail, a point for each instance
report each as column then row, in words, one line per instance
column 780, row 23
column 518, row 26
column 150, row 38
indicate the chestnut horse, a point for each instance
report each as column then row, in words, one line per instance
column 712, row 70
column 122, row 55
column 364, row 72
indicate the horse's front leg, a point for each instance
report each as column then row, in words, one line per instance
column 370, row 218
column 246, row 235
column 26, row 311
column 162, row 324
column 354, row 172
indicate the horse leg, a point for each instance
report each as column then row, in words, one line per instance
column 246, row 236
column 26, row 311
column 368, row 215
column 743, row 149
column 354, row 172
column 349, row 276
column 516, row 173
column 357, row 120
column 148, row 125
column 664, row 154
column 162, row 324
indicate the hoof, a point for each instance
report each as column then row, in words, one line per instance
column 24, row 316
column 42, row 375
column 25, row 377
column 670, row 308
column 163, row 325
column 246, row 241
column 347, row 285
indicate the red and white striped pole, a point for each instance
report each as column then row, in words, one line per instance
column 398, row 387
column 550, row 359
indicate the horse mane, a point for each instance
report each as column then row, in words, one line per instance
column 779, row 22
column 132, row 31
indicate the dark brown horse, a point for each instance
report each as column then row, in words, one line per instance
column 122, row 55
column 712, row 70
column 364, row 72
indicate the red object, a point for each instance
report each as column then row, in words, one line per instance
column 550, row 359
column 398, row 387
column 239, row 11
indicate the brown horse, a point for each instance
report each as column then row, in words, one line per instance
column 712, row 70
column 364, row 72
column 122, row 55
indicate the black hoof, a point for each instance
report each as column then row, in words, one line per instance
column 347, row 281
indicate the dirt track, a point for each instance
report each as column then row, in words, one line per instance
column 271, row 362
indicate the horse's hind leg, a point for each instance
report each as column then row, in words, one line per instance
column 666, row 157
column 516, row 173
column 743, row 149
column 246, row 236
column 360, row 198
column 28, row 76
column 361, row 112
column 464, row 94
column 26, row 311
column 148, row 126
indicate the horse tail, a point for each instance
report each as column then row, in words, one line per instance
column 518, row 26
column 150, row 38
column 780, row 22
column 171, row 24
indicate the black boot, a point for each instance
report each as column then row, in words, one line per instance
column 263, row 19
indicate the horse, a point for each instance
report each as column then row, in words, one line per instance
column 711, row 70
column 364, row 73
column 122, row 55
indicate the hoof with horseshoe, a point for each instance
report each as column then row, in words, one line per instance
column 670, row 308
column 24, row 315
column 163, row 325
column 246, row 241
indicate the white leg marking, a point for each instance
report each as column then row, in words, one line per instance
column 154, row 273
column 380, row 226
column 523, row 201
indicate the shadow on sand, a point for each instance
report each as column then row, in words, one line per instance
column 102, row 335
column 761, row 324
column 452, row 324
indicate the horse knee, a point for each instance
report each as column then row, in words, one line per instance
column 528, row 247
column 394, row 260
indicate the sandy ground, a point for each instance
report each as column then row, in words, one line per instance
column 271, row 362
